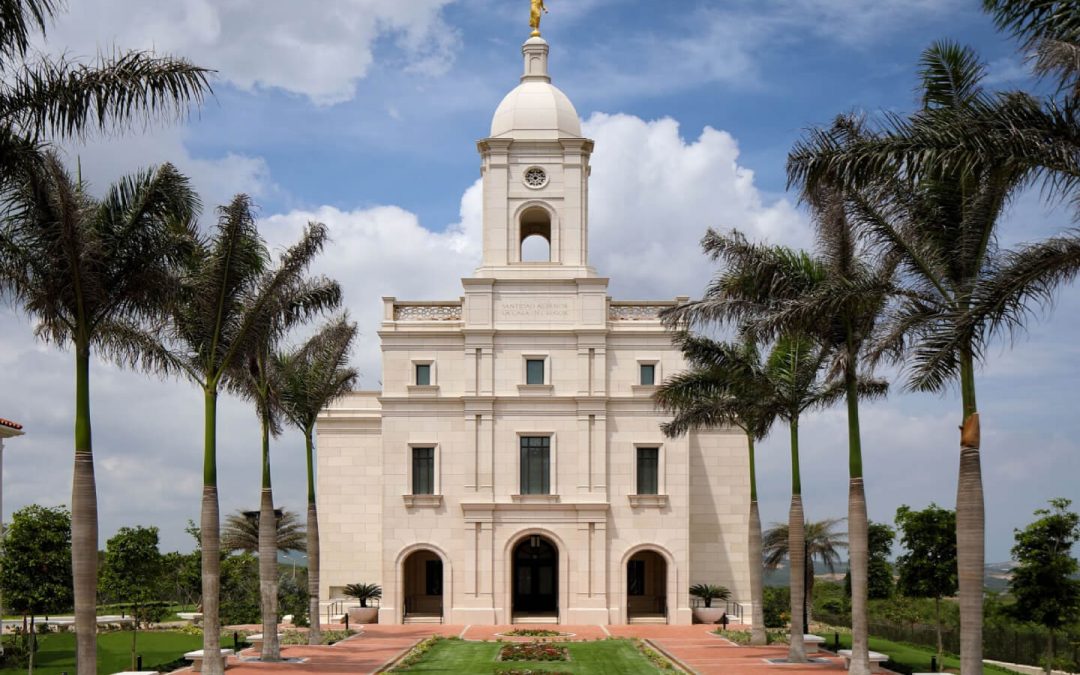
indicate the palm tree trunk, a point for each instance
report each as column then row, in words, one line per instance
column 84, row 522
column 797, row 558
column 970, row 526
column 268, row 556
column 757, row 582
column 796, row 554
column 315, row 629
column 858, row 531
column 210, row 532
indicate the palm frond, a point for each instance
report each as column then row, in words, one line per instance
column 19, row 21
column 66, row 99
column 1023, row 280
column 951, row 75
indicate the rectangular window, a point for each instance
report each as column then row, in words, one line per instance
column 534, row 371
column 433, row 577
column 423, row 471
column 423, row 374
column 535, row 465
column 648, row 373
column 648, row 471
column 635, row 577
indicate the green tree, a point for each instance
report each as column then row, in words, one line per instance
column 60, row 98
column 879, row 570
column 837, row 298
column 131, row 573
column 35, row 565
column 311, row 377
column 285, row 307
column 823, row 544
column 1044, row 579
column 241, row 533
column 725, row 386
column 928, row 568
column 945, row 173
column 93, row 274
column 227, row 305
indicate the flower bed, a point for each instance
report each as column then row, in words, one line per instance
column 534, row 651
column 533, row 632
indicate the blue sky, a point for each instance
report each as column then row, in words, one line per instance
column 364, row 114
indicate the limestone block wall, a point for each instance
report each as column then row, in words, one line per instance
column 349, row 498
column 719, row 506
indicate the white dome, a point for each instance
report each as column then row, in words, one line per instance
column 536, row 109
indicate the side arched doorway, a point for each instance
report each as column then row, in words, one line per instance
column 535, row 579
column 646, row 588
column 422, row 587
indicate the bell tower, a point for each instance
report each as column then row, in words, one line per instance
column 535, row 168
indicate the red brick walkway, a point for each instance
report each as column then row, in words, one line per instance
column 695, row 647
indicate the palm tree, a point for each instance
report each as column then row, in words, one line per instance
column 835, row 298
column 959, row 290
column 241, row 532
column 227, row 305
column 822, row 543
column 310, row 378
column 61, row 99
column 93, row 273
column 285, row 304
column 725, row 385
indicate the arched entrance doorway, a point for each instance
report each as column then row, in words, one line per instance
column 535, row 590
column 646, row 588
column 422, row 587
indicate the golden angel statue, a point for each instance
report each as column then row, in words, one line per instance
column 534, row 16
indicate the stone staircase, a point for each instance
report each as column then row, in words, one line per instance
column 647, row 619
column 420, row 617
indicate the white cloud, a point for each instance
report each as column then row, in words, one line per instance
column 653, row 194
column 216, row 179
column 269, row 43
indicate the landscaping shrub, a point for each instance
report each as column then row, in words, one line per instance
column 777, row 606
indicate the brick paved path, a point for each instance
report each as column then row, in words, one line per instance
column 694, row 647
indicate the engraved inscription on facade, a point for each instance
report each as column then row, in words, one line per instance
column 534, row 309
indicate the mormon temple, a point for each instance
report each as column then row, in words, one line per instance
column 512, row 469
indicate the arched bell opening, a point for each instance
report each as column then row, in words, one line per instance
column 535, row 232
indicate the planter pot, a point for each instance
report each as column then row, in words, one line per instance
column 708, row 614
column 361, row 615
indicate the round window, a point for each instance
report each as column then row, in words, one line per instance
column 535, row 177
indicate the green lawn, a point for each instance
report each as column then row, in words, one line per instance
column 914, row 657
column 56, row 651
column 603, row 657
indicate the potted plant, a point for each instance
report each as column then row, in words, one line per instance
column 707, row 593
column 363, row 593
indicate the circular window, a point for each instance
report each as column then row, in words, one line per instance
column 535, row 177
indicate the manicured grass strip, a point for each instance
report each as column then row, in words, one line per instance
column 602, row 657
column 56, row 651
column 915, row 657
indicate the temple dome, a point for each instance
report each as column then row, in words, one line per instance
column 536, row 109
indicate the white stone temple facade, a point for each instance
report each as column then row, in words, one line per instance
column 513, row 468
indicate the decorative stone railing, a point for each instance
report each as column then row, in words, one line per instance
column 637, row 311
column 427, row 311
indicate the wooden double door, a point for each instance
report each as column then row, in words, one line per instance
column 536, row 576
